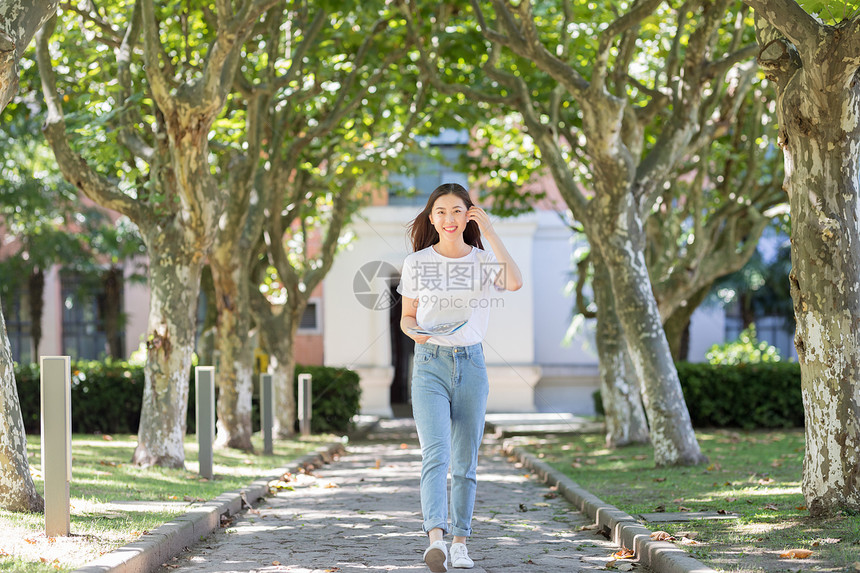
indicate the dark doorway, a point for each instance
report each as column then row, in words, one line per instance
column 402, row 350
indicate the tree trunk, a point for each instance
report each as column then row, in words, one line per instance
column 19, row 21
column 17, row 491
column 672, row 432
column 278, row 335
column 815, row 69
column 619, row 389
column 35, row 298
column 174, row 282
column 234, row 351
column 821, row 134
column 111, row 313
column 677, row 325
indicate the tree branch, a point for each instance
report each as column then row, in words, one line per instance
column 74, row 168
column 791, row 20
column 158, row 83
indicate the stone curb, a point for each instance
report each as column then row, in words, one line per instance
column 169, row 539
column 660, row 556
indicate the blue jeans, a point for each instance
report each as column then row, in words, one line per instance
column 449, row 400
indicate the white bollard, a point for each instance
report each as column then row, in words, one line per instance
column 56, row 382
column 204, row 409
column 267, row 411
column 305, row 401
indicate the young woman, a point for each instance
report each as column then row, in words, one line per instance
column 449, row 279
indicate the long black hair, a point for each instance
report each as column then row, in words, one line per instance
column 423, row 234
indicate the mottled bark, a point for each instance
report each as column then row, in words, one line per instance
column 672, row 433
column 278, row 335
column 19, row 21
column 17, row 491
column 234, row 351
column 619, row 388
column 815, row 68
column 174, row 278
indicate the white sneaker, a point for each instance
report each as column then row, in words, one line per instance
column 460, row 556
column 436, row 557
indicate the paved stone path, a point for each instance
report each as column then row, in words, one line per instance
column 362, row 513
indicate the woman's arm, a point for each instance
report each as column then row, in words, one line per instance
column 510, row 277
column 408, row 320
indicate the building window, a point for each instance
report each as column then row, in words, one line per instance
column 310, row 321
column 86, row 306
column 427, row 172
column 16, row 313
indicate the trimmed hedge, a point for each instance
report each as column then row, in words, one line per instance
column 107, row 397
column 336, row 393
column 763, row 395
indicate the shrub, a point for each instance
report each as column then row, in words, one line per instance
column 763, row 395
column 336, row 393
column 746, row 349
column 107, row 397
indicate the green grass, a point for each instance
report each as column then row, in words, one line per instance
column 756, row 475
column 102, row 475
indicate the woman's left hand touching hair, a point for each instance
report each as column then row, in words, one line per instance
column 481, row 217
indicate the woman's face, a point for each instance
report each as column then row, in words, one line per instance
column 448, row 216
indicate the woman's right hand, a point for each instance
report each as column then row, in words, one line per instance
column 419, row 338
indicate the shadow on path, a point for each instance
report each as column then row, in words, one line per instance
column 362, row 513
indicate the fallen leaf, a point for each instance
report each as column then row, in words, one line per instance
column 765, row 481
column 623, row 553
column 404, row 446
column 276, row 563
column 625, row 567
column 688, row 534
column 659, row 479
column 610, row 564
column 731, row 499
column 688, row 541
column 683, row 508
column 550, row 495
column 723, row 512
column 330, row 485
column 660, row 509
column 800, row 508
column 107, row 437
column 856, row 565
column 522, row 507
column 640, row 457
column 662, row 536
column 540, row 504
column 771, row 506
column 796, row 554
column 588, row 527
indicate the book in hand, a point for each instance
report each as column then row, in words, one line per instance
column 443, row 329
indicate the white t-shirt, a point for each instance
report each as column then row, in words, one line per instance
column 449, row 290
